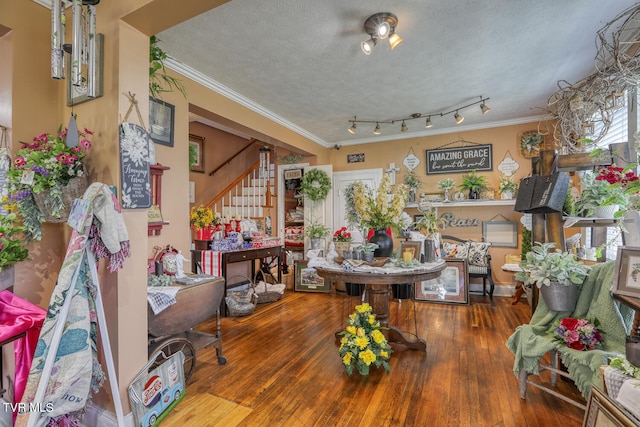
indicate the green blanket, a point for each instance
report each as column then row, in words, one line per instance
column 529, row 343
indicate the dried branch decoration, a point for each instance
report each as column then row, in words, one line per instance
column 595, row 98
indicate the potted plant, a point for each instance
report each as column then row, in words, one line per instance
column 363, row 344
column 158, row 76
column 507, row 187
column 557, row 274
column 377, row 213
column 342, row 240
column 367, row 249
column 201, row 220
column 12, row 250
column 601, row 199
column 446, row 184
column 46, row 177
column 412, row 182
column 316, row 232
column 430, row 225
column 473, row 183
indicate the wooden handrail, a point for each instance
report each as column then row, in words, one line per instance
column 230, row 159
column 233, row 184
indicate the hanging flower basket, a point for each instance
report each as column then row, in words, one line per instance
column 55, row 203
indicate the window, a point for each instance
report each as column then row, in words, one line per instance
column 619, row 130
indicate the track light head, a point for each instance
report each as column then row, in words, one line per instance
column 352, row 129
column 404, row 127
column 367, row 46
column 484, row 108
column 428, row 123
column 395, row 40
column 376, row 131
column 458, row 117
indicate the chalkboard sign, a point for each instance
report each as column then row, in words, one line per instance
column 460, row 159
column 134, row 166
column 355, row 158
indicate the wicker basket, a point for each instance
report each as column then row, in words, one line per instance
column 266, row 287
column 241, row 303
column 74, row 190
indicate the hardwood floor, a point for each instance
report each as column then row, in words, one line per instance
column 284, row 370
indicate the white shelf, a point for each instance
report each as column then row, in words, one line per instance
column 466, row 203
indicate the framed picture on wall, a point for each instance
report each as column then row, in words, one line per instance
column 500, row 233
column 196, row 153
column 626, row 275
column 161, row 117
column 451, row 287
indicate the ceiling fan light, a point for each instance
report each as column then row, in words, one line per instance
column 458, row 117
column 484, row 108
column 428, row 123
column 376, row 131
column 352, row 129
column 395, row 40
column 367, row 45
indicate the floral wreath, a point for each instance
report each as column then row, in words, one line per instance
column 315, row 185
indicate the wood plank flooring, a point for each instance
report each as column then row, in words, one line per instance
column 284, row 370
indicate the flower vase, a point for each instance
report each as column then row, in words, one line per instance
column 384, row 242
column 473, row 195
column 341, row 247
column 446, row 195
column 204, row 233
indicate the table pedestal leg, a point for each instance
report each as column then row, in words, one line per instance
column 379, row 297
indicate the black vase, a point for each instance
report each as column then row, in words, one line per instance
column 473, row 195
column 384, row 242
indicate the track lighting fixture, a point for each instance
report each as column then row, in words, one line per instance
column 352, row 129
column 379, row 27
column 428, row 123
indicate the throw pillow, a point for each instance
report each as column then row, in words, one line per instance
column 478, row 253
column 455, row 250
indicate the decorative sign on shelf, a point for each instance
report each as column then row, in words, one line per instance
column 460, row 159
column 134, row 165
column 355, row 158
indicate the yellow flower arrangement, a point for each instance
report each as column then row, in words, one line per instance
column 363, row 343
column 376, row 212
column 201, row 217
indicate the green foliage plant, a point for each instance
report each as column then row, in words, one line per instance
column 542, row 265
column 473, row 182
column 159, row 81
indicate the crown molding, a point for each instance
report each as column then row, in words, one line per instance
column 217, row 87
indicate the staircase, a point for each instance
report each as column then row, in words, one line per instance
column 248, row 197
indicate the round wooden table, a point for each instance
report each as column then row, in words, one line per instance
column 378, row 294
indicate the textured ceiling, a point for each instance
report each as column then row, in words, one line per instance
column 299, row 61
